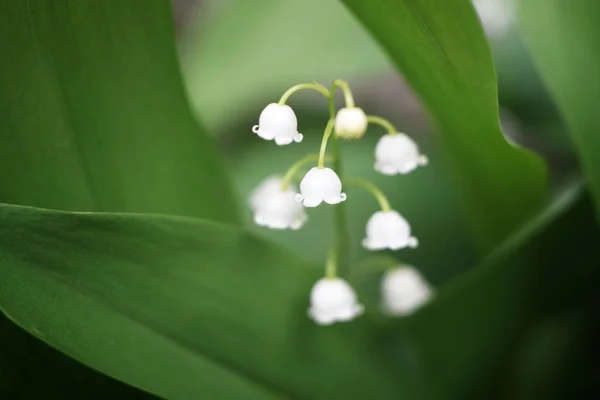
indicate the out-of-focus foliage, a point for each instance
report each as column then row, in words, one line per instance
column 94, row 118
column 441, row 50
column 94, row 115
column 31, row 369
column 564, row 38
column 276, row 44
column 184, row 308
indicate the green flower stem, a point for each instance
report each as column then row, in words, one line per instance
column 383, row 122
column 374, row 190
column 348, row 98
column 291, row 172
column 299, row 172
column 331, row 264
column 340, row 222
column 326, row 135
column 312, row 86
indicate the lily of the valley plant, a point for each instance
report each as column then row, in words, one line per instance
column 277, row 203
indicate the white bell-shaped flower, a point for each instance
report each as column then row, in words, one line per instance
column 333, row 300
column 403, row 291
column 266, row 186
column 320, row 185
column 278, row 122
column 397, row 154
column 388, row 230
column 350, row 123
column 276, row 208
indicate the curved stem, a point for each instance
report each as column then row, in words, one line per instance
column 299, row 173
column 331, row 263
column 383, row 122
column 326, row 135
column 374, row 190
column 289, row 175
column 331, row 101
column 348, row 98
column 312, row 86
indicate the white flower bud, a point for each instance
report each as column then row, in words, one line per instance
column 278, row 122
column 397, row 154
column 320, row 185
column 333, row 300
column 388, row 230
column 276, row 208
column 403, row 291
column 350, row 123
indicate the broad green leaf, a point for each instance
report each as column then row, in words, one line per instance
column 563, row 38
column 30, row 369
column 244, row 51
column 178, row 307
column 93, row 114
column 186, row 308
column 466, row 337
column 441, row 50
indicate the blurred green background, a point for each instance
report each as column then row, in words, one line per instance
column 325, row 42
column 522, row 325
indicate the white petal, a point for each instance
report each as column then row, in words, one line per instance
column 283, row 140
column 321, row 184
column 276, row 208
column 265, row 187
column 371, row 244
column 262, row 133
column 336, row 199
column 278, row 122
column 403, row 291
column 397, row 154
column 311, row 202
column 333, row 300
column 388, row 230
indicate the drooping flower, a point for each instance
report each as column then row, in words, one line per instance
column 267, row 185
column 333, row 300
column 278, row 122
column 276, row 208
column 350, row 123
column 320, row 185
column 388, row 230
column 403, row 291
column 397, row 154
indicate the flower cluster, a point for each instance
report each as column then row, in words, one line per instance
column 277, row 204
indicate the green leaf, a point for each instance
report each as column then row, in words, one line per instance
column 563, row 38
column 94, row 114
column 185, row 308
column 466, row 338
column 178, row 307
column 441, row 50
column 30, row 369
